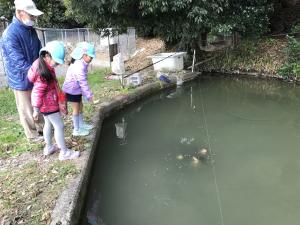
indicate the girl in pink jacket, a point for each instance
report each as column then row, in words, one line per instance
column 76, row 85
column 44, row 98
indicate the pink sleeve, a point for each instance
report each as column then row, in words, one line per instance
column 38, row 94
column 31, row 74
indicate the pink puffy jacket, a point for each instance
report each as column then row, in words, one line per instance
column 44, row 96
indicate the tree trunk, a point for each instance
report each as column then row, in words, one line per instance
column 204, row 39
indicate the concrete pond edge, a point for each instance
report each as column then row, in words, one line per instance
column 246, row 74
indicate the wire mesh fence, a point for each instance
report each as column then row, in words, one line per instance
column 107, row 42
column 102, row 39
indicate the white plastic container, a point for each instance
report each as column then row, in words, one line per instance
column 134, row 79
column 168, row 61
column 117, row 65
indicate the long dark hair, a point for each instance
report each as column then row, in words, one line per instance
column 43, row 69
column 72, row 61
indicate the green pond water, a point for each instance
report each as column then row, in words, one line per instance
column 147, row 169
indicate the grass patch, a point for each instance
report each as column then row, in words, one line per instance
column 7, row 99
column 103, row 90
column 12, row 138
column 30, row 191
column 13, row 141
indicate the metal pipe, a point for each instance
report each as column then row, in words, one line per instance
column 199, row 63
column 193, row 60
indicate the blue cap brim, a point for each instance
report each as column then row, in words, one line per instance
column 59, row 61
column 77, row 53
column 91, row 55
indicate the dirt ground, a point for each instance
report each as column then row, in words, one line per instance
column 145, row 48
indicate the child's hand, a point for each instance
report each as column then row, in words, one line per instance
column 35, row 115
column 91, row 99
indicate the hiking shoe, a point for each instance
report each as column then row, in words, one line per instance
column 81, row 132
column 48, row 151
column 69, row 154
column 87, row 126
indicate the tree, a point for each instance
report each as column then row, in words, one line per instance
column 54, row 13
column 6, row 8
column 251, row 18
column 174, row 20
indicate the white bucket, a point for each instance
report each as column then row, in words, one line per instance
column 168, row 61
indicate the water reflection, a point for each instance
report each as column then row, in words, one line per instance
column 187, row 140
column 121, row 131
column 175, row 94
column 93, row 217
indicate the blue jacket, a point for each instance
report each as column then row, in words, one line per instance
column 21, row 46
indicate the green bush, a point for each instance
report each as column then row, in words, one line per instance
column 292, row 67
column 296, row 28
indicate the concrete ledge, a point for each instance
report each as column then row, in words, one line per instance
column 69, row 205
column 251, row 74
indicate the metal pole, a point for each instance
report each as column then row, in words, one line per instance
column 127, row 44
column 78, row 35
column 194, row 56
column 100, row 33
column 44, row 37
column 65, row 36
column 191, row 97
column 109, row 49
column 119, row 44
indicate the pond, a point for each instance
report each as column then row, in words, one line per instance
column 148, row 170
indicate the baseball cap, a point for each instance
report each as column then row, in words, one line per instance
column 28, row 6
column 56, row 49
column 83, row 48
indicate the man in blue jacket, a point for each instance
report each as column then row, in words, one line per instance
column 21, row 47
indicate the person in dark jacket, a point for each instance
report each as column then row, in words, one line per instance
column 21, row 47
